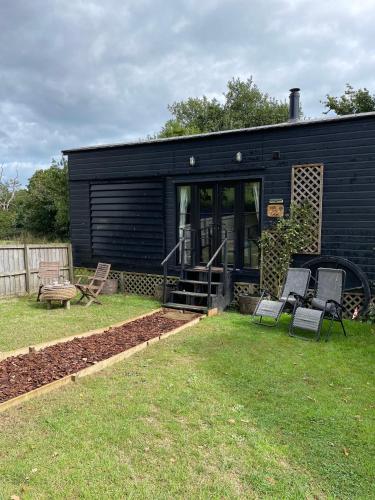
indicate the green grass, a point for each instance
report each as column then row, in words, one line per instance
column 222, row 410
column 26, row 322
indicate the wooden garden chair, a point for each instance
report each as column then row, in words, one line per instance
column 92, row 290
column 48, row 273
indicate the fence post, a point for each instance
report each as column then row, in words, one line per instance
column 70, row 263
column 27, row 268
column 122, row 282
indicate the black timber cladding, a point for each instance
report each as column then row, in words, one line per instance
column 127, row 223
column 346, row 148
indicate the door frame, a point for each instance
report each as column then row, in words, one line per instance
column 237, row 182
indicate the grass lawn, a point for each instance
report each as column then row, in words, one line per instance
column 221, row 410
column 26, row 322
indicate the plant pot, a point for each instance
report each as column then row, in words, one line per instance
column 110, row 287
column 247, row 303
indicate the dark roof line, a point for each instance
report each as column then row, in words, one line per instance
column 224, row 132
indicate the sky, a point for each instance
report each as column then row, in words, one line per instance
column 84, row 72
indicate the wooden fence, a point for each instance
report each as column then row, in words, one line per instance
column 19, row 265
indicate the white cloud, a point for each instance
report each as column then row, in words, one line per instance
column 84, row 72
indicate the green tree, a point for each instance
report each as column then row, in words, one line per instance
column 45, row 208
column 244, row 105
column 351, row 102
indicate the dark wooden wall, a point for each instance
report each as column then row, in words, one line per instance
column 346, row 148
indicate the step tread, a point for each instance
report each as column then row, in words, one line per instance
column 197, row 282
column 173, row 305
column 204, row 269
column 191, row 294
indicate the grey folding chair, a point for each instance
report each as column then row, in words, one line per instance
column 327, row 302
column 295, row 288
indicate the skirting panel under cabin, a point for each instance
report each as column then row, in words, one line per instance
column 145, row 285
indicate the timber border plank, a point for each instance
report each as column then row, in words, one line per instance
column 105, row 363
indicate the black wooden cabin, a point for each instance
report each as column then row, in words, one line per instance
column 129, row 202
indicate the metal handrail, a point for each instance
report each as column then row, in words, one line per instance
column 224, row 242
column 223, row 245
column 172, row 251
column 181, row 245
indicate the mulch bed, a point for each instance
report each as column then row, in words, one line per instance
column 23, row 373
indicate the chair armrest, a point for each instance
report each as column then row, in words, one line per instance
column 81, row 276
column 337, row 304
column 300, row 298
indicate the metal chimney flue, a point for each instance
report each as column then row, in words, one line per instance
column 294, row 105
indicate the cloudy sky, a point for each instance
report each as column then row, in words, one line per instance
column 82, row 72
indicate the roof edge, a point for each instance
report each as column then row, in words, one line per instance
column 222, row 132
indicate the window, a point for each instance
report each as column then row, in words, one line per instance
column 184, row 218
column 251, row 225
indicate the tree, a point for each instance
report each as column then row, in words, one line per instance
column 45, row 208
column 351, row 102
column 8, row 190
column 244, row 106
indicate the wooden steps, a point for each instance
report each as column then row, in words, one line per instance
column 187, row 307
column 191, row 291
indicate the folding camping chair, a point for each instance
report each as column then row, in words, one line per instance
column 95, row 285
column 48, row 273
column 295, row 287
column 327, row 302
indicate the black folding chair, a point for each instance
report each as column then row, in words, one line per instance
column 295, row 286
column 326, row 303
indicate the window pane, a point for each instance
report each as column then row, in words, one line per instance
column 251, row 224
column 206, row 205
column 184, row 218
column 227, row 219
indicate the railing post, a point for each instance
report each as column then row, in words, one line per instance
column 225, row 260
column 225, row 267
column 182, row 253
column 165, row 282
column 209, row 288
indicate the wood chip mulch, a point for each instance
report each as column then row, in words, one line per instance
column 23, row 373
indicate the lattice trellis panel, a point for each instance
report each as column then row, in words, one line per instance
column 350, row 302
column 134, row 283
column 307, row 185
column 269, row 278
column 144, row 284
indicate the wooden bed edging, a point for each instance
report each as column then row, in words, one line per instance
column 44, row 389
column 43, row 345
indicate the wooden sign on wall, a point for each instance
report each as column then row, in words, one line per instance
column 275, row 210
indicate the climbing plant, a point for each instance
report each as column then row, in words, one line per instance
column 288, row 236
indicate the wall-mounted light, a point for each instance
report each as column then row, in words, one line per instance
column 238, row 157
column 192, row 161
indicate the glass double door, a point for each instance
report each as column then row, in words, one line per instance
column 209, row 212
column 216, row 220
